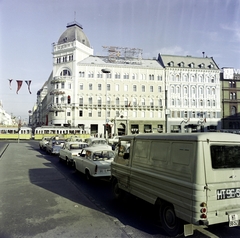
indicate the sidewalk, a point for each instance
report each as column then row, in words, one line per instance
column 36, row 200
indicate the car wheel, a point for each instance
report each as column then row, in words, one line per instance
column 118, row 193
column 88, row 176
column 171, row 224
column 67, row 162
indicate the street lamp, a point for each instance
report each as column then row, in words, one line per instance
column 106, row 71
column 19, row 126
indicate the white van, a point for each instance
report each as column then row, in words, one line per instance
column 193, row 178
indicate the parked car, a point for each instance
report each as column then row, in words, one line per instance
column 94, row 162
column 74, row 138
column 54, row 145
column 113, row 140
column 70, row 149
column 43, row 142
column 92, row 142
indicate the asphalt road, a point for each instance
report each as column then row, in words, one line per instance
column 41, row 197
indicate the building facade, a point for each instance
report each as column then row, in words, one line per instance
column 230, row 81
column 193, row 89
column 121, row 93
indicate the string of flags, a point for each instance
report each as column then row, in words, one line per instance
column 19, row 84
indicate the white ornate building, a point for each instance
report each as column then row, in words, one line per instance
column 120, row 90
column 5, row 118
column 193, row 92
column 121, row 93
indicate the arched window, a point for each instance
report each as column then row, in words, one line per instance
column 80, row 101
column 90, row 100
column 108, row 101
column 151, row 102
column 99, row 101
column 65, row 72
column 134, row 102
column 160, row 102
column 193, row 102
column 233, row 110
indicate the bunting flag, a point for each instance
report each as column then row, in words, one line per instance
column 19, row 85
column 28, row 82
column 10, row 82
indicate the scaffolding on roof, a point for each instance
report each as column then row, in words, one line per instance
column 123, row 55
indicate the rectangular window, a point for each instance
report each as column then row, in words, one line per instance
column 151, row 89
column 69, row 85
column 134, row 88
column 81, row 86
column 108, row 87
column 68, row 114
column 81, row 74
column 62, row 85
column 90, row 113
column 117, row 87
column 80, row 101
column 143, row 88
column 99, row 86
column 109, row 76
column 125, row 88
column 99, row 114
column 225, row 156
column 90, row 86
column 80, row 113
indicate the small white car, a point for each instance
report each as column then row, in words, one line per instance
column 92, row 142
column 70, row 149
column 54, row 145
column 114, row 140
column 94, row 162
column 43, row 142
column 74, row 138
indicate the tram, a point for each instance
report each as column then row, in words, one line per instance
column 66, row 132
column 14, row 133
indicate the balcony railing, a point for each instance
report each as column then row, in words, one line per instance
column 56, row 92
column 60, row 79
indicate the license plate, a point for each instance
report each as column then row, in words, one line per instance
column 233, row 220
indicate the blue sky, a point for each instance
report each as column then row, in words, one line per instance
column 179, row 27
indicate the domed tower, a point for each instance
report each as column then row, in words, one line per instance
column 72, row 47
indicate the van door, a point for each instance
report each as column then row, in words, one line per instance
column 222, row 172
column 121, row 165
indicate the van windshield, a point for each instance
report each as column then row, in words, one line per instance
column 225, row 156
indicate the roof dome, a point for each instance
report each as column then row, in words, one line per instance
column 74, row 32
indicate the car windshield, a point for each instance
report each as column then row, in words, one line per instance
column 225, row 156
column 77, row 146
column 103, row 155
column 99, row 142
column 59, row 142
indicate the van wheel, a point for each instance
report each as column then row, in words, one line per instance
column 171, row 224
column 118, row 193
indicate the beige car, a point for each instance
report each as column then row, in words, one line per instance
column 43, row 142
column 94, row 162
column 70, row 149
